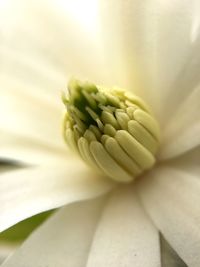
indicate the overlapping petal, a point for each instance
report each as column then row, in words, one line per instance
column 64, row 240
column 189, row 162
column 29, row 191
column 183, row 131
column 125, row 236
column 30, row 116
column 41, row 42
column 118, row 221
column 25, row 150
column 172, row 199
column 152, row 47
column 6, row 250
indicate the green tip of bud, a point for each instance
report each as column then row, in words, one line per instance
column 112, row 130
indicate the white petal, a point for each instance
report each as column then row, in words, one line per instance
column 29, row 116
column 26, row 192
column 125, row 236
column 33, row 68
column 64, row 240
column 154, row 46
column 20, row 148
column 172, row 199
column 183, row 131
column 6, row 250
column 189, row 162
column 42, row 42
column 169, row 257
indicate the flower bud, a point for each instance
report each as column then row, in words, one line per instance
column 111, row 129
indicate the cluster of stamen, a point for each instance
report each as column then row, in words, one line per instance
column 112, row 130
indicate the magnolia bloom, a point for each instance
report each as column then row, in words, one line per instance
column 147, row 48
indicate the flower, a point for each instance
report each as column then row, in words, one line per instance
column 148, row 48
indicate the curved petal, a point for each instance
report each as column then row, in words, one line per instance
column 183, row 131
column 172, row 199
column 124, row 236
column 63, row 240
column 154, row 46
column 26, row 192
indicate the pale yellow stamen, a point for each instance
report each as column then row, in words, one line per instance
column 112, row 130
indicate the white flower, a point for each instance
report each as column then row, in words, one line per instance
column 150, row 47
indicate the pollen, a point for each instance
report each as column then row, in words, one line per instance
column 112, row 130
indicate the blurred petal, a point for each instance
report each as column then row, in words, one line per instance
column 125, row 236
column 183, row 131
column 172, row 199
column 64, row 240
column 189, row 162
column 169, row 257
column 29, row 191
column 154, row 49
column 20, row 231
column 6, row 250
column 31, row 117
column 41, row 43
column 20, row 148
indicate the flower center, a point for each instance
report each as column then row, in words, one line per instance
column 111, row 129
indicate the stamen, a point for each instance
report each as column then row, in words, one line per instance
column 112, row 130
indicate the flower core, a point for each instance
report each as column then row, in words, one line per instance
column 111, row 129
